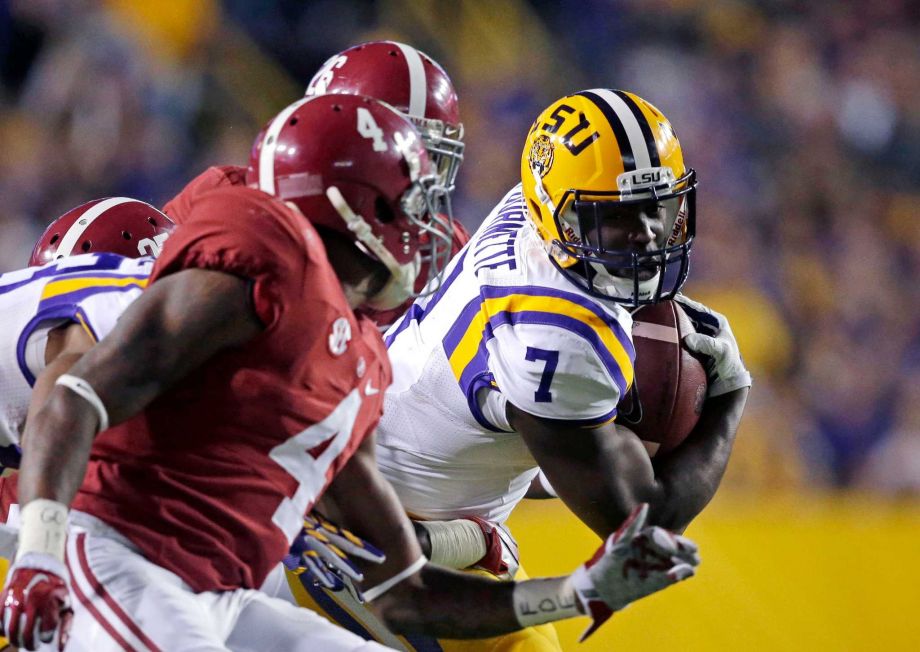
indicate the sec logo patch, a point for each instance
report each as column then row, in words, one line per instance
column 340, row 336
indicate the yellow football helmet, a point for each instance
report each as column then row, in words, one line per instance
column 605, row 184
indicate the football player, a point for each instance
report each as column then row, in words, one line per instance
column 81, row 278
column 520, row 358
column 408, row 80
column 234, row 392
column 70, row 296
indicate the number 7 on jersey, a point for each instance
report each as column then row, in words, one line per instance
column 550, row 360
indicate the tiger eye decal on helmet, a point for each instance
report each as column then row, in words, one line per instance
column 541, row 155
column 595, row 161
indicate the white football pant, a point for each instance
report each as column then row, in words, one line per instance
column 122, row 601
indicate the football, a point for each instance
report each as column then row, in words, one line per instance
column 666, row 398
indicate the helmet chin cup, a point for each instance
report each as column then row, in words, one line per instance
column 399, row 287
column 401, row 283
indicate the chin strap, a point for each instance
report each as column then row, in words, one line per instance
column 542, row 195
column 401, row 284
column 398, row 288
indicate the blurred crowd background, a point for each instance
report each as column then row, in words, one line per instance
column 801, row 118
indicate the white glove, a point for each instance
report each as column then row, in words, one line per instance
column 715, row 341
column 635, row 561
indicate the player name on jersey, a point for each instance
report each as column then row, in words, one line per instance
column 495, row 241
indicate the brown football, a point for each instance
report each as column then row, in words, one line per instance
column 666, row 398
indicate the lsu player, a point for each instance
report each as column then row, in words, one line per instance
column 69, row 297
column 240, row 386
column 419, row 88
column 519, row 359
column 86, row 268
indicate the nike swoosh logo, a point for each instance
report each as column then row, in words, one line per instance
column 370, row 390
column 630, row 409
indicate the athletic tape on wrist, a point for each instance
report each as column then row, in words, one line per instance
column 383, row 587
column 537, row 602
column 43, row 528
column 456, row 544
column 85, row 391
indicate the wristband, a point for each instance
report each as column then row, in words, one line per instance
column 85, row 391
column 43, row 528
column 537, row 602
column 455, row 544
column 383, row 587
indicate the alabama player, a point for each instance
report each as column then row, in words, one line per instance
column 418, row 87
column 408, row 80
column 194, row 437
column 81, row 277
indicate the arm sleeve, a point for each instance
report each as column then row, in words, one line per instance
column 555, row 373
column 237, row 233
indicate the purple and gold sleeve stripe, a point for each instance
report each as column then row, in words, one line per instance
column 597, row 421
column 100, row 265
column 78, row 288
column 465, row 341
column 621, row 372
column 67, row 311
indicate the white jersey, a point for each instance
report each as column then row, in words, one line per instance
column 505, row 326
column 92, row 290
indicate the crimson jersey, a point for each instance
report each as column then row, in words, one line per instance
column 212, row 479
column 216, row 176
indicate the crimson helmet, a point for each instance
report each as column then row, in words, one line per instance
column 116, row 225
column 411, row 82
column 354, row 165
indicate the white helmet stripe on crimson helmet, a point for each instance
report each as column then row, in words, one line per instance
column 269, row 143
column 70, row 239
column 418, row 88
column 617, row 111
